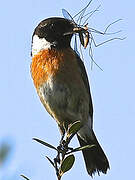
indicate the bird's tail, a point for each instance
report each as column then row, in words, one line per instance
column 95, row 158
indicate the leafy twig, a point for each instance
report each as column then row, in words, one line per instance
column 64, row 159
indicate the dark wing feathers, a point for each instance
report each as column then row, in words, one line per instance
column 86, row 82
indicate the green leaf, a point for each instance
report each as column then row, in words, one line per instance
column 25, row 177
column 67, row 164
column 45, row 144
column 52, row 163
column 74, row 128
column 81, row 148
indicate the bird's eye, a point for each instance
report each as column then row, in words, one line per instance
column 52, row 26
column 54, row 29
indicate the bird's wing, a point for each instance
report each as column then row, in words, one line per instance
column 86, row 82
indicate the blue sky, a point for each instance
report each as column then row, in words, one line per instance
column 23, row 116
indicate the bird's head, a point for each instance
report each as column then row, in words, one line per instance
column 51, row 33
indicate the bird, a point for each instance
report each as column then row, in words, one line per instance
column 62, row 84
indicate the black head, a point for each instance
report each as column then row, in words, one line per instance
column 57, row 31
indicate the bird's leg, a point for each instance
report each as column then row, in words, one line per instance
column 63, row 132
column 60, row 149
column 62, row 138
column 63, row 145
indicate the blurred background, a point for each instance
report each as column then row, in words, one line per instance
column 23, row 116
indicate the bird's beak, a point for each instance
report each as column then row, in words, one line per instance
column 83, row 34
column 76, row 30
column 69, row 33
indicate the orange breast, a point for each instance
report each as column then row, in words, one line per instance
column 48, row 63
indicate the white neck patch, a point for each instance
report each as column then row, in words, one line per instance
column 39, row 44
